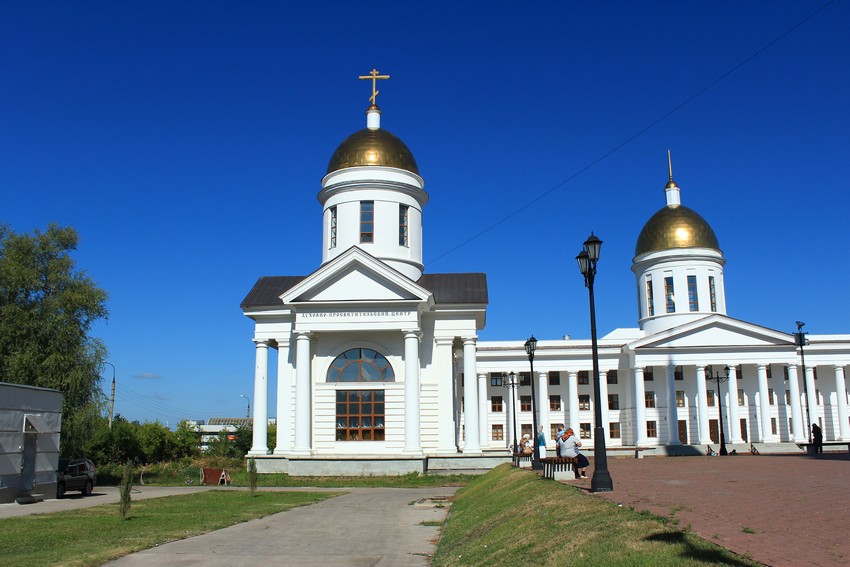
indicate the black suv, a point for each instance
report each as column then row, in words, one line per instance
column 75, row 474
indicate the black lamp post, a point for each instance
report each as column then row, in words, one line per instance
column 800, row 341
column 530, row 347
column 248, row 412
column 511, row 384
column 587, row 258
column 717, row 378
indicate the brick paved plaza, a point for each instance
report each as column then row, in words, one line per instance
column 778, row 509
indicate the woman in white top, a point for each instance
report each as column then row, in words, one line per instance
column 569, row 444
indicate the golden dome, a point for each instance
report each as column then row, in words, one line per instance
column 675, row 226
column 373, row 147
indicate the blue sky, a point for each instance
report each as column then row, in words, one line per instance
column 186, row 142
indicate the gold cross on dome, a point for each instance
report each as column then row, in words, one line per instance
column 374, row 77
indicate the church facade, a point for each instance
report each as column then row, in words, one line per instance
column 380, row 370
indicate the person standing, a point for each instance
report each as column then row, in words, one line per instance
column 817, row 438
column 541, row 441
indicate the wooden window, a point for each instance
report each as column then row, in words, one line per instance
column 614, row 401
column 693, row 298
column 788, row 397
column 333, row 221
column 496, row 404
column 585, row 430
column 498, row 432
column 360, row 365
column 709, row 399
column 555, row 402
column 403, row 213
column 679, row 373
column 773, row 425
column 680, row 398
column 614, row 429
column 360, row 415
column 649, row 399
column 741, row 399
column 769, row 371
column 650, row 301
column 648, row 375
column 367, row 221
column 525, row 378
column 525, row 429
column 611, row 376
column 584, row 377
column 651, row 429
column 525, row 403
column 553, row 431
column 584, row 402
column 770, row 398
column 554, row 378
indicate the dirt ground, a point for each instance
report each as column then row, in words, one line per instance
column 777, row 509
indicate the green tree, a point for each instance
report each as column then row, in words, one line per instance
column 47, row 308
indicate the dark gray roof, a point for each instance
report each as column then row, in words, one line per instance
column 447, row 288
column 237, row 421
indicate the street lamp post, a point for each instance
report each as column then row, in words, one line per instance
column 587, row 258
column 800, row 340
column 510, row 382
column 248, row 413
column 530, row 347
column 717, row 378
column 112, row 398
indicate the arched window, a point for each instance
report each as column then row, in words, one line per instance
column 361, row 365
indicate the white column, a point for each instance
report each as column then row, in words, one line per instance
column 764, row 405
column 734, row 416
column 483, row 414
column 812, row 396
column 572, row 404
column 841, row 394
column 443, row 360
column 261, row 400
column 672, row 413
column 511, row 412
column 640, row 407
column 543, row 399
column 412, row 428
column 603, row 395
column 797, row 429
column 284, row 398
column 470, row 394
column 302, row 393
column 702, row 406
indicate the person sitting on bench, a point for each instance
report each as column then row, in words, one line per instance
column 568, row 445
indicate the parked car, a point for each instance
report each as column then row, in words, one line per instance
column 75, row 474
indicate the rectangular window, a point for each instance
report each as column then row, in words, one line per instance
column 788, row 397
column 712, row 294
column 769, row 371
column 785, row 369
column 525, row 379
column 613, row 401
column 553, row 432
column 740, row 397
column 679, row 373
column 333, row 228
column 650, row 301
column 773, row 425
column 814, row 371
column 496, row 404
column 360, row 415
column 498, row 432
column 584, row 377
column 554, row 378
column 680, row 398
column 525, row 403
column 555, row 402
column 584, row 402
column 614, row 429
column 648, row 375
column 649, row 399
column 525, row 429
column 651, row 429
column 693, row 299
column 611, row 376
column 770, row 397
column 585, row 430
column 403, row 211
column 709, row 397
column 495, row 380
column 367, row 221
column 668, row 293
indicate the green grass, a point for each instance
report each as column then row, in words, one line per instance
column 92, row 536
column 513, row 517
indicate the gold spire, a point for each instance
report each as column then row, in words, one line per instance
column 374, row 77
column 671, row 183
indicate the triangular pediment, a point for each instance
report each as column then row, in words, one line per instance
column 715, row 331
column 355, row 276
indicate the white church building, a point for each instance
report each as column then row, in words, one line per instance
column 380, row 370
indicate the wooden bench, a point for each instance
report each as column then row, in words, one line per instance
column 810, row 447
column 215, row 476
column 522, row 461
column 559, row 468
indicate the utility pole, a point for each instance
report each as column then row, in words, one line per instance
column 112, row 398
